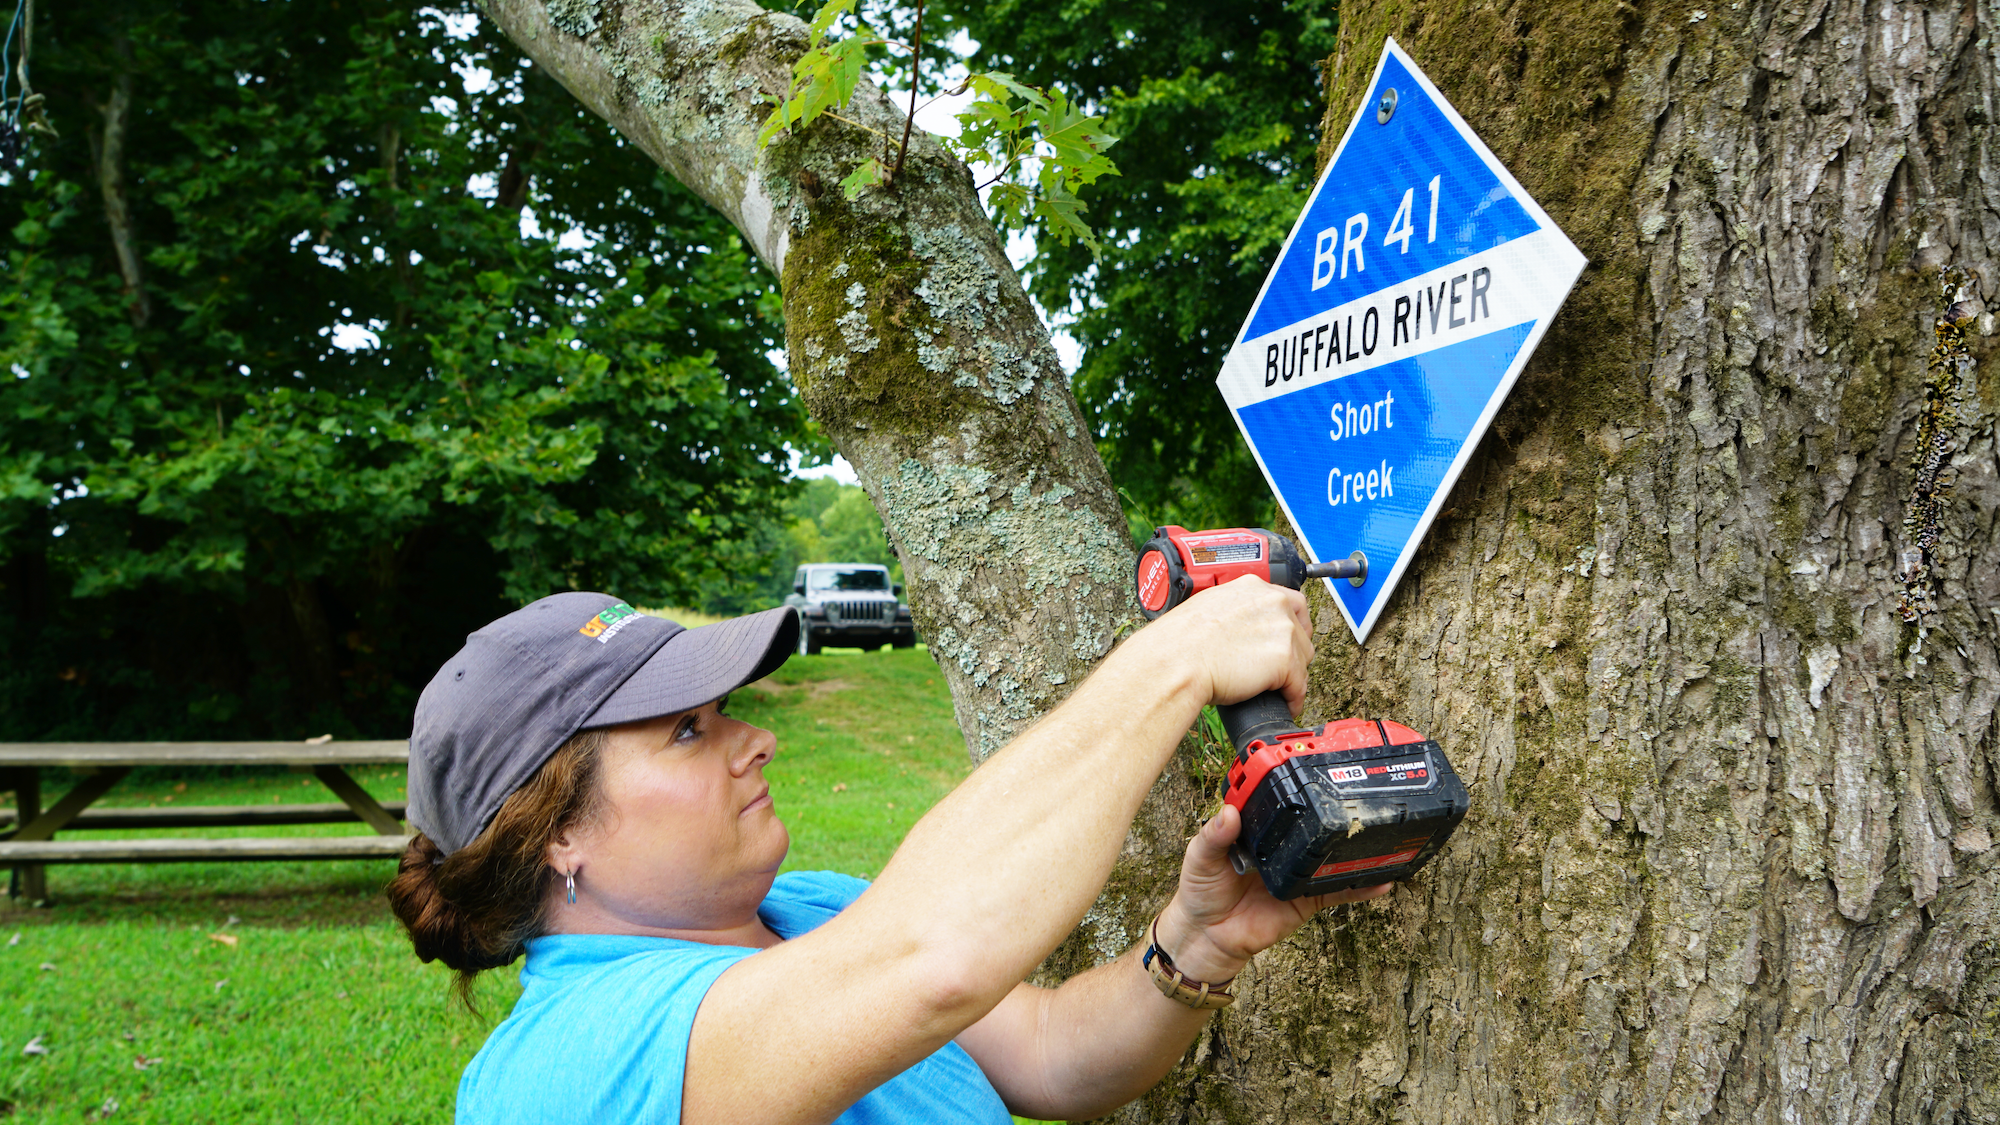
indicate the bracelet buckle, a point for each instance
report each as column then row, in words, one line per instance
column 1178, row 986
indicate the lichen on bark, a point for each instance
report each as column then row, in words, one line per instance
column 1937, row 440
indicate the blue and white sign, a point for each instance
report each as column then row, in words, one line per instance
column 1407, row 299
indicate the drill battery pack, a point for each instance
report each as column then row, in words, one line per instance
column 1352, row 804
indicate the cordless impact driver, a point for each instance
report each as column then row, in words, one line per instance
column 1347, row 804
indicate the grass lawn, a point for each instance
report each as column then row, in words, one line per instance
column 286, row 992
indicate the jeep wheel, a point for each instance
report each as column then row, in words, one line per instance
column 807, row 646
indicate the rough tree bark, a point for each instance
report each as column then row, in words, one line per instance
column 1731, row 856
column 909, row 338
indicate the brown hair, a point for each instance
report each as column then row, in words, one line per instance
column 476, row 908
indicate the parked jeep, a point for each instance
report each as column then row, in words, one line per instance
column 849, row 605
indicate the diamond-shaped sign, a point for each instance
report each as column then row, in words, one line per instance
column 1407, row 299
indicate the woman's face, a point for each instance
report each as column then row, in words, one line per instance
column 687, row 840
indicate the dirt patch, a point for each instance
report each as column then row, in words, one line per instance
column 813, row 690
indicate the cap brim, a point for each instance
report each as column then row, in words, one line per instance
column 700, row 665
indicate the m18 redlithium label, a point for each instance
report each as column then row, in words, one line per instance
column 1386, row 777
column 1410, row 294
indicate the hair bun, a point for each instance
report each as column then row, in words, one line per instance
column 439, row 928
column 476, row 908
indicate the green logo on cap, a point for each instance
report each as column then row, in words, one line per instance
column 607, row 623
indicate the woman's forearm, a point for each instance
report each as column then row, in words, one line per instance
column 1106, row 1036
column 1086, row 1048
column 1008, row 863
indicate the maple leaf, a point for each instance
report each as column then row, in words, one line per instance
column 869, row 173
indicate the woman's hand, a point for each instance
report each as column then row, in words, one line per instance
column 1234, row 641
column 1082, row 1050
column 1218, row 919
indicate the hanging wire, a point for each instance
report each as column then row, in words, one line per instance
column 24, row 102
column 12, row 113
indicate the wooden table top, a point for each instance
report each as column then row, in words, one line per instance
column 357, row 753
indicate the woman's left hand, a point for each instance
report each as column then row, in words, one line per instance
column 1218, row 919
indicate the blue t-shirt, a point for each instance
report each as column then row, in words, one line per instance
column 600, row 1033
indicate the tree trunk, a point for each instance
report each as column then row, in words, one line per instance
column 909, row 336
column 1730, row 854
column 315, row 656
column 108, row 148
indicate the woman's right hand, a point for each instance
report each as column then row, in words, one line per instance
column 1237, row 639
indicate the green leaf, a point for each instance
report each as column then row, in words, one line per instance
column 822, row 21
column 986, row 126
column 1008, row 121
column 846, row 60
column 1079, row 141
column 1001, row 87
column 824, row 78
column 868, row 174
column 1061, row 215
column 1011, row 203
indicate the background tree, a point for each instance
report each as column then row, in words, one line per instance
column 826, row 521
column 334, row 332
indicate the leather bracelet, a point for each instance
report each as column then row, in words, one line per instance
column 1177, row 986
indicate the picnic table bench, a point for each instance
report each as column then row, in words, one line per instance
column 27, row 832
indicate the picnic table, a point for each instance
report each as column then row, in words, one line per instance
column 30, row 839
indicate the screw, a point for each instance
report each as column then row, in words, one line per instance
column 1354, row 568
column 1387, row 107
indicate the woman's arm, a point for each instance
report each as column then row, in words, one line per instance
column 989, row 881
column 1106, row 1036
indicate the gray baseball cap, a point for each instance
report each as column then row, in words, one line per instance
column 524, row 684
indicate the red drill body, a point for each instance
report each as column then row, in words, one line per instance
column 1350, row 803
column 1176, row 563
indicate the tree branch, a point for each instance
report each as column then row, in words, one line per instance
column 111, row 183
column 916, row 77
column 514, row 178
column 390, row 139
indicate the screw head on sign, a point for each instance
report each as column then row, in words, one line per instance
column 1386, row 108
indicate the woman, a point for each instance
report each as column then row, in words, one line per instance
column 583, row 794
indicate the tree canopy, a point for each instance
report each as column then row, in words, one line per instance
column 310, row 371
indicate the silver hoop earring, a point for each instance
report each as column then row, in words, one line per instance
column 569, row 881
